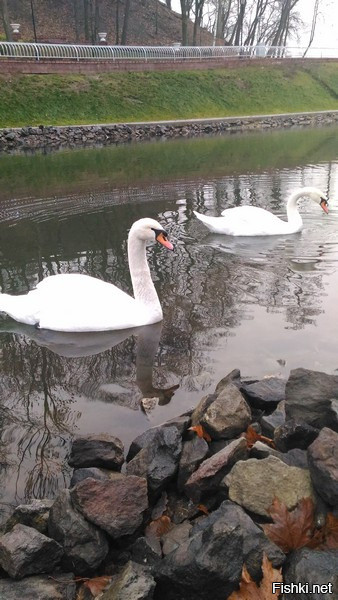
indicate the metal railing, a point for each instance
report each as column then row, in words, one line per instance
column 77, row 52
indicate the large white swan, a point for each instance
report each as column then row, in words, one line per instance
column 252, row 220
column 75, row 302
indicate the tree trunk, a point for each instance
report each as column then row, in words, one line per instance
column 6, row 20
column 86, row 10
column 199, row 5
column 185, row 10
column 313, row 27
column 117, row 22
column 77, row 20
column 239, row 25
column 125, row 23
column 168, row 3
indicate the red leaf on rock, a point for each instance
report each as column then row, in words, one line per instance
column 199, row 429
column 203, row 509
column 291, row 529
column 252, row 436
column 97, row 584
column 249, row 590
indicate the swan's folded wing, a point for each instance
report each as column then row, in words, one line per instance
column 81, row 303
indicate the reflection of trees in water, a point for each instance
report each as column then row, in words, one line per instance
column 207, row 287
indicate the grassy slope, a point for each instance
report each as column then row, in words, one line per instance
column 132, row 96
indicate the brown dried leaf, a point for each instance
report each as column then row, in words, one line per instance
column 294, row 529
column 158, row 527
column 326, row 536
column 203, row 509
column 252, row 436
column 97, row 584
column 249, row 590
column 199, row 429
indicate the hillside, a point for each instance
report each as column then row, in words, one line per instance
column 146, row 96
column 150, row 22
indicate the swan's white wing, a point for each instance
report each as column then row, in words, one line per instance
column 74, row 302
column 77, row 302
column 246, row 221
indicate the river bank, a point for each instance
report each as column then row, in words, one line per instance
column 191, row 504
column 49, row 137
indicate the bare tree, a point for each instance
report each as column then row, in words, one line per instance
column 313, row 26
column 125, row 23
column 117, row 21
column 199, row 6
column 168, row 3
column 5, row 19
column 186, row 6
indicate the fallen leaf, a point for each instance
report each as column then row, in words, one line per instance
column 291, row 529
column 158, row 527
column 199, row 429
column 326, row 536
column 203, row 509
column 252, row 436
column 249, row 590
column 97, row 584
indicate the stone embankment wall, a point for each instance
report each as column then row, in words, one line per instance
column 26, row 138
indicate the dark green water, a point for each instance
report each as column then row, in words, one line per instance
column 265, row 305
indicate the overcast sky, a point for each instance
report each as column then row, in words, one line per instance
column 326, row 35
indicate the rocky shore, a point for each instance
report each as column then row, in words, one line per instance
column 191, row 503
column 26, row 138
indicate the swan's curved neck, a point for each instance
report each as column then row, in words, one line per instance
column 143, row 287
column 294, row 217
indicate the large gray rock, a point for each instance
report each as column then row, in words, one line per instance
column 193, row 453
column 176, row 536
column 293, row 434
column 293, row 458
column 210, row 473
column 208, row 564
column 233, row 377
column 255, row 541
column 311, row 396
column 323, row 465
column 85, row 546
column 115, row 505
column 135, row 582
column 26, row 551
column 146, row 438
column 315, row 567
column 35, row 514
column 158, row 462
column 101, row 450
column 275, row 419
column 228, row 415
column 265, row 394
column 61, row 587
column 93, row 472
column 255, row 483
column 201, row 408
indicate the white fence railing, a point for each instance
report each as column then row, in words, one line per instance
column 143, row 53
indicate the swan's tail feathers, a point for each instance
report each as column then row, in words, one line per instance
column 21, row 308
column 210, row 222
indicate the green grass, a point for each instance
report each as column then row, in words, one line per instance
column 146, row 96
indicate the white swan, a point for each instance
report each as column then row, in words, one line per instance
column 75, row 302
column 251, row 220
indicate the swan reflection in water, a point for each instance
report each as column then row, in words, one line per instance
column 85, row 344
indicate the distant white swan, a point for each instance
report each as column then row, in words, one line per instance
column 75, row 302
column 251, row 220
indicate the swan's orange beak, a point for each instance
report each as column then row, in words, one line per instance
column 325, row 206
column 161, row 237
